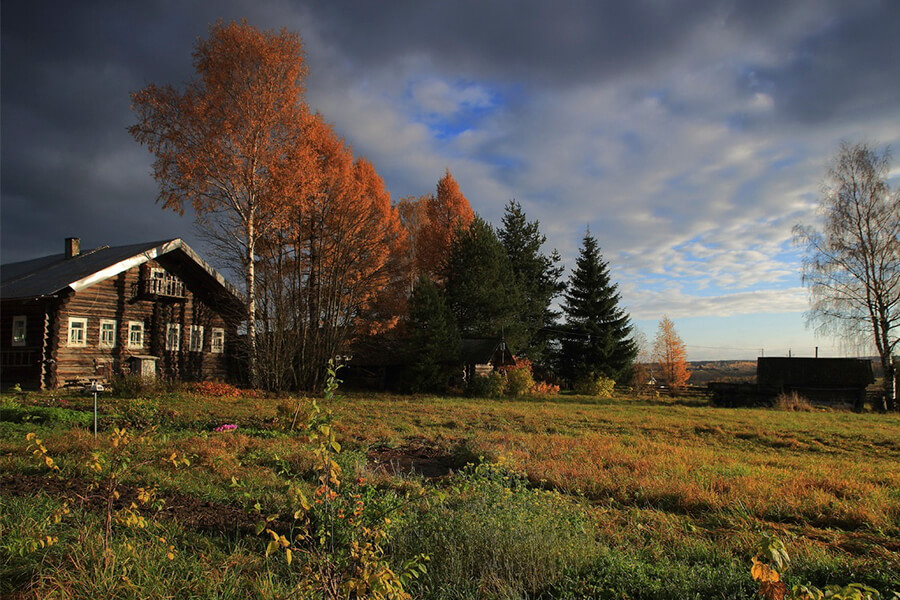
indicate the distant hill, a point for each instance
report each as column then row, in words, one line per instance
column 702, row 372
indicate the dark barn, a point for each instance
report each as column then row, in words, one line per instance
column 824, row 380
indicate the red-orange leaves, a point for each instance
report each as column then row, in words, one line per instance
column 447, row 212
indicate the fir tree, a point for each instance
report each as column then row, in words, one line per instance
column 433, row 344
column 598, row 340
column 481, row 288
column 537, row 276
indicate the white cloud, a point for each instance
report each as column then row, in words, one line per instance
column 438, row 97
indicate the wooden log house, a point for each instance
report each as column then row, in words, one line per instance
column 154, row 309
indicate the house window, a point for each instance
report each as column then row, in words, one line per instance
column 173, row 336
column 135, row 334
column 20, row 326
column 107, row 333
column 217, row 344
column 196, row 338
column 77, row 331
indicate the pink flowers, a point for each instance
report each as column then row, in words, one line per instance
column 229, row 427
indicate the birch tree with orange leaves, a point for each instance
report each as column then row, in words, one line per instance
column 229, row 145
column 670, row 356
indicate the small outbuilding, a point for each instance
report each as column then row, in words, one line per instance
column 825, row 380
column 480, row 356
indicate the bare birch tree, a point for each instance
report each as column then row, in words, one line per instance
column 852, row 263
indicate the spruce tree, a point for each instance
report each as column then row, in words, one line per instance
column 537, row 276
column 433, row 345
column 481, row 288
column 598, row 340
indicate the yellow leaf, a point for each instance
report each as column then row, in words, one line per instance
column 288, row 556
column 272, row 547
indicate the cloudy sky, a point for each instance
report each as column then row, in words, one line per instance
column 688, row 136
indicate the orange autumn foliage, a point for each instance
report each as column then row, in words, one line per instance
column 228, row 144
column 344, row 244
column 670, row 355
column 446, row 212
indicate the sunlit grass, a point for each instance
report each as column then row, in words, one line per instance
column 660, row 484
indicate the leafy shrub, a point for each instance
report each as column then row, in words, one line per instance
column 519, row 382
column 518, row 377
column 542, row 388
column 139, row 413
column 487, row 386
column 595, row 385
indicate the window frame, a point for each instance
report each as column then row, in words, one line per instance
column 195, row 332
column 217, row 340
column 84, row 330
column 177, row 345
column 115, row 333
column 131, row 329
column 19, row 325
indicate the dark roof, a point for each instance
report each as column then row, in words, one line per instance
column 480, row 351
column 50, row 275
column 814, row 373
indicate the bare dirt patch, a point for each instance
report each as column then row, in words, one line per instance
column 188, row 511
column 413, row 458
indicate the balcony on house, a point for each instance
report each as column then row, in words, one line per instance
column 162, row 285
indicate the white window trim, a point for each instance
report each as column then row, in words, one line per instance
column 84, row 329
column 177, row 345
column 20, row 323
column 195, row 343
column 115, row 332
column 217, row 341
column 138, row 325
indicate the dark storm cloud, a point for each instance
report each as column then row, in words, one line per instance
column 848, row 68
column 560, row 42
column 70, row 168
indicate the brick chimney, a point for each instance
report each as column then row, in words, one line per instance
column 73, row 247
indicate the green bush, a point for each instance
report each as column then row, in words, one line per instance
column 139, row 413
column 519, row 382
column 595, row 385
column 487, row 386
column 491, row 536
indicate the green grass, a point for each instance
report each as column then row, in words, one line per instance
column 617, row 498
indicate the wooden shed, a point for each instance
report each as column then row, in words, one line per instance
column 831, row 380
column 480, row 356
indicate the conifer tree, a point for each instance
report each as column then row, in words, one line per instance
column 537, row 276
column 598, row 341
column 434, row 339
column 480, row 287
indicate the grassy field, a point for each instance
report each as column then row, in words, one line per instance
column 573, row 498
